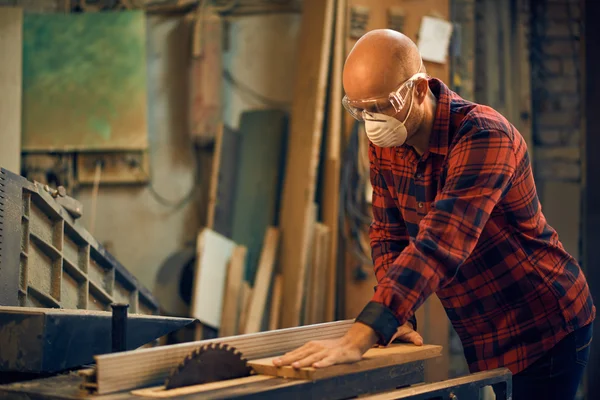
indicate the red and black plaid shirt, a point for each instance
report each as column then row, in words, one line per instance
column 464, row 221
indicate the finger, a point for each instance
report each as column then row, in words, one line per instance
column 412, row 337
column 326, row 362
column 293, row 356
column 310, row 359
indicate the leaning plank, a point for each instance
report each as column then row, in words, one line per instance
column 142, row 368
column 233, row 287
column 246, row 295
column 275, row 302
column 213, row 254
column 331, row 189
column 263, row 280
column 374, row 358
column 11, row 54
column 303, row 150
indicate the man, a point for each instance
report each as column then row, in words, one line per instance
column 455, row 212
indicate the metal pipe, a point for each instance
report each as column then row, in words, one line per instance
column 119, row 327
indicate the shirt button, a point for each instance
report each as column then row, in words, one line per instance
column 420, row 205
column 419, row 175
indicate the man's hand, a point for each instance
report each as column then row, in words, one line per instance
column 324, row 353
column 405, row 333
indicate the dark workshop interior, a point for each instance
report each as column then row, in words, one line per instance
column 184, row 198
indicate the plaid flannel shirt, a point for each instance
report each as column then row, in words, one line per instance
column 464, row 221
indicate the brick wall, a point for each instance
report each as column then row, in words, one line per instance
column 556, row 105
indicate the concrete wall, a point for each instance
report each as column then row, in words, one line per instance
column 260, row 54
column 139, row 231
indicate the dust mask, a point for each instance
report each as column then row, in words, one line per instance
column 385, row 131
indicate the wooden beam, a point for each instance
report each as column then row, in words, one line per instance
column 11, row 54
column 303, row 150
column 276, row 302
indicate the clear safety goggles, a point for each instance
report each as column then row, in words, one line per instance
column 390, row 105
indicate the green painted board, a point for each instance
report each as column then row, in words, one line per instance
column 84, row 81
column 258, row 184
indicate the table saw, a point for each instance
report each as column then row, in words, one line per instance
column 240, row 367
column 75, row 324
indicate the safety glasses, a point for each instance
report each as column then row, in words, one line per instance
column 388, row 105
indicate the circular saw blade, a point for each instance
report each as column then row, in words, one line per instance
column 210, row 363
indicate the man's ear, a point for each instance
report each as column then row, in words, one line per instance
column 421, row 90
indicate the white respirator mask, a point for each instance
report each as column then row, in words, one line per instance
column 385, row 131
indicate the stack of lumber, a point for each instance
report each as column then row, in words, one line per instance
column 267, row 258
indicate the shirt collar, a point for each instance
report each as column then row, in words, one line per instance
column 439, row 140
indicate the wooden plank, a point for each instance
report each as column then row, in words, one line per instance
column 214, row 253
column 214, row 178
column 260, row 161
column 300, row 305
column 11, row 54
column 374, row 358
column 303, row 149
column 206, row 63
column 246, row 295
column 276, row 302
column 159, row 392
column 315, row 310
column 331, row 189
column 262, row 283
column 231, row 299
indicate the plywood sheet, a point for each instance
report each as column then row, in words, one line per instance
column 259, row 172
column 310, row 84
column 11, row 54
column 84, row 81
column 374, row 358
column 215, row 251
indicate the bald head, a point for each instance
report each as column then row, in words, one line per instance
column 379, row 61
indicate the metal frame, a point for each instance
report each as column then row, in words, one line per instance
column 54, row 340
column 47, row 258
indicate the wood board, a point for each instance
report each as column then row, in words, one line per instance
column 214, row 253
column 262, row 284
column 206, row 64
column 233, row 287
column 304, row 143
column 275, row 302
column 331, row 188
column 374, row 358
column 259, row 171
column 11, row 54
